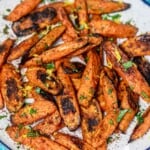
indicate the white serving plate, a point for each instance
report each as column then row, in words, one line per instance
column 139, row 14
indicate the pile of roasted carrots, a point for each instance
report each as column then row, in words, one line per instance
column 83, row 92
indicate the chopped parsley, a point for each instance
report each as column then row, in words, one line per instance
column 32, row 133
column 128, row 65
column 111, row 122
column 5, row 29
column 8, row 9
column 109, row 140
column 115, row 18
column 139, row 117
column 33, row 111
column 82, row 97
column 110, row 91
column 122, row 114
column 3, row 116
column 50, row 66
column 144, row 95
column 38, row 90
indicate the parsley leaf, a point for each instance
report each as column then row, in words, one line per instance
column 33, row 111
column 144, row 95
column 50, row 66
column 139, row 117
column 38, row 90
column 32, row 133
column 122, row 114
column 4, row 116
column 5, row 29
column 110, row 91
column 128, row 65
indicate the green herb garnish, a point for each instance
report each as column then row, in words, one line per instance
column 111, row 122
column 139, row 117
column 128, row 65
column 50, row 66
column 115, row 18
column 38, row 90
column 110, row 91
column 121, row 114
column 32, row 133
column 4, row 116
column 144, row 95
column 5, row 29
column 82, row 97
column 33, row 111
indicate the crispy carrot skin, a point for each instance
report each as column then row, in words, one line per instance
column 22, row 48
column 130, row 74
column 5, row 48
column 32, row 139
column 10, row 88
column 111, row 29
column 137, row 46
column 22, row 9
column 141, row 129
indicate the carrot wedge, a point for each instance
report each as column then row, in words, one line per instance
column 22, row 48
column 89, row 79
column 47, row 40
column 128, row 103
column 32, row 139
column 57, row 52
column 127, row 70
column 1, row 101
column 4, row 50
column 141, row 129
column 82, row 15
column 33, row 112
column 22, row 9
column 137, row 46
column 70, row 31
column 103, row 7
column 50, row 124
column 67, row 102
column 111, row 29
column 10, row 82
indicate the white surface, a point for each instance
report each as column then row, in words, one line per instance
column 139, row 13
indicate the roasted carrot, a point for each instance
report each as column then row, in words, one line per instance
column 141, row 129
column 67, row 102
column 22, row 9
column 47, row 41
column 22, row 48
column 32, row 139
column 1, row 101
column 33, row 112
column 111, row 29
column 58, row 52
column 11, row 84
column 127, row 70
column 137, row 46
column 4, row 50
column 89, row 79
